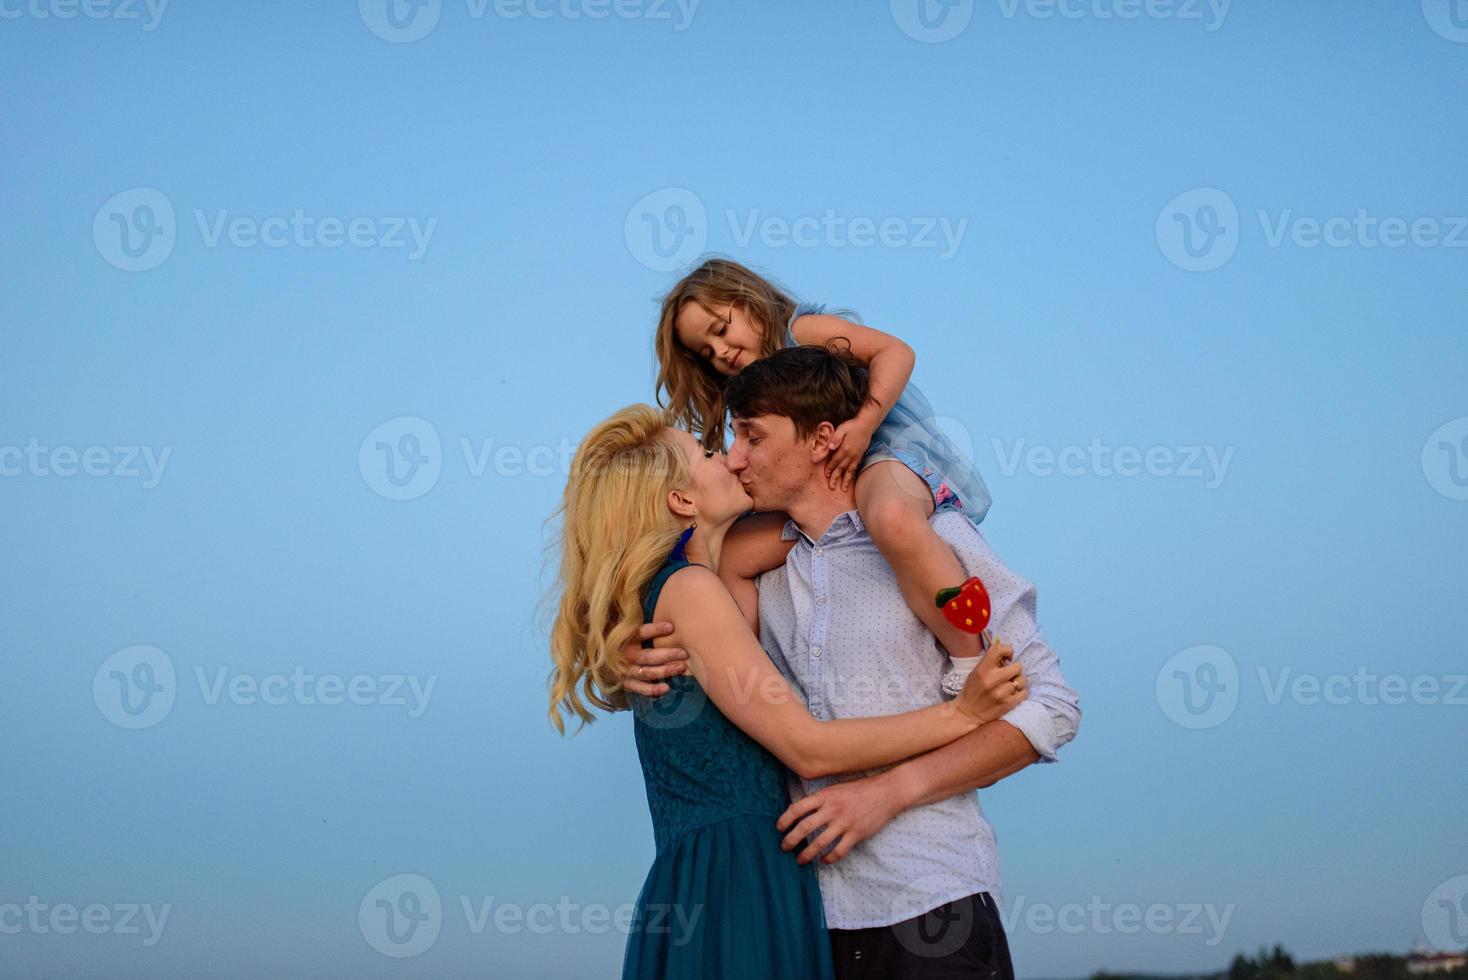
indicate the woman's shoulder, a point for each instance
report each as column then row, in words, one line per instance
column 699, row 594
column 677, row 588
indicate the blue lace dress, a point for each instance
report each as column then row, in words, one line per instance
column 911, row 434
column 721, row 900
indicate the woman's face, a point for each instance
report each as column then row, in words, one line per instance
column 715, row 491
column 726, row 336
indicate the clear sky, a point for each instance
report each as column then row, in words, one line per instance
column 1191, row 284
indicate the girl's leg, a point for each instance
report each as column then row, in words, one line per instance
column 895, row 504
column 751, row 548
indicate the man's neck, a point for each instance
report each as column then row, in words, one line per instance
column 817, row 506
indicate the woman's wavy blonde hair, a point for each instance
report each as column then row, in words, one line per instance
column 694, row 390
column 616, row 531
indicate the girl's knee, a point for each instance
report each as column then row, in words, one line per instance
column 894, row 518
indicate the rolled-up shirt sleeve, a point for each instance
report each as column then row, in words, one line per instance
column 1050, row 714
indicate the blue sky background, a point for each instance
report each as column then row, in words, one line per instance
column 544, row 149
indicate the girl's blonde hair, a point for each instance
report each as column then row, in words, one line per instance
column 616, row 532
column 694, row 390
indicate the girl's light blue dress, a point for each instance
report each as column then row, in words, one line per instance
column 910, row 434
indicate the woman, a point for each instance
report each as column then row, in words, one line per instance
column 645, row 513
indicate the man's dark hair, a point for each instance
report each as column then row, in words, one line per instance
column 808, row 385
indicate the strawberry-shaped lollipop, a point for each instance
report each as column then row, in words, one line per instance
column 966, row 607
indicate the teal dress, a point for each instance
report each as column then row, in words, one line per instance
column 721, row 900
column 911, row 435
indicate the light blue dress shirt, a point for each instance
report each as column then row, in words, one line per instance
column 834, row 621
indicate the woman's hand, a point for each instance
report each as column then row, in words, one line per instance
column 996, row 685
column 643, row 670
column 844, row 814
column 848, row 445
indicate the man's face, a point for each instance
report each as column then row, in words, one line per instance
column 773, row 465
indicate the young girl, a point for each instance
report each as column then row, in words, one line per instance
column 720, row 318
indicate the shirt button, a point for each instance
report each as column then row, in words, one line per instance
column 820, row 600
column 820, row 551
column 816, row 652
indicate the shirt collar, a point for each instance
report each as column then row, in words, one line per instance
column 844, row 524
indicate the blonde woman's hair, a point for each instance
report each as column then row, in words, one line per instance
column 616, row 531
column 694, row 390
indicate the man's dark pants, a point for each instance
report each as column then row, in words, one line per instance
column 963, row 938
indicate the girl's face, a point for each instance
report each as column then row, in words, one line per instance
column 727, row 337
column 716, row 492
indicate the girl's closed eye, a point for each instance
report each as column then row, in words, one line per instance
column 708, row 454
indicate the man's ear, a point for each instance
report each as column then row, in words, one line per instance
column 681, row 504
column 820, row 443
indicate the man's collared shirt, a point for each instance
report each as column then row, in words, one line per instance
column 835, row 623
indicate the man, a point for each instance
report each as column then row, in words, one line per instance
column 909, row 870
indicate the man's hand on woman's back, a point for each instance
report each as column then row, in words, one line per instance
column 645, row 670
